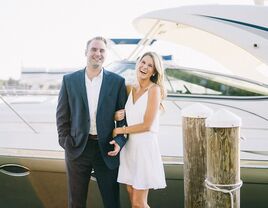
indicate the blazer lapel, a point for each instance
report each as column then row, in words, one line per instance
column 83, row 87
column 104, row 88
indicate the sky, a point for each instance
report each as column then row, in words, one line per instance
column 53, row 33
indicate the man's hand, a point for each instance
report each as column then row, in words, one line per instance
column 116, row 149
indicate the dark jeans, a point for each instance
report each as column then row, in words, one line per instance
column 78, row 173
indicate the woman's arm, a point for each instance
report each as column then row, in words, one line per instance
column 152, row 108
column 120, row 114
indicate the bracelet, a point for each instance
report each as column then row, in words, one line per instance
column 124, row 129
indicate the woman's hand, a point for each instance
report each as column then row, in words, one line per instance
column 119, row 115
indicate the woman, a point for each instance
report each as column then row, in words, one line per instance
column 141, row 167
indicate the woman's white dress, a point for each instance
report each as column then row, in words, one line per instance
column 140, row 159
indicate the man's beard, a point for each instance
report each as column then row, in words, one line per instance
column 95, row 64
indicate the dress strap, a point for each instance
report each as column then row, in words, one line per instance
column 150, row 86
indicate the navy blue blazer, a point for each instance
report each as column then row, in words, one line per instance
column 73, row 120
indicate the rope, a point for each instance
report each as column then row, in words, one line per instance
column 216, row 187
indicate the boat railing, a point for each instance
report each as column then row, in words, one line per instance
column 17, row 92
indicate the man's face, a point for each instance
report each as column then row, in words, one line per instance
column 96, row 53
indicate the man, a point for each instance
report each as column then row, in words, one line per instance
column 87, row 102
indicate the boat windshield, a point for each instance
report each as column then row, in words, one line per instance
column 180, row 81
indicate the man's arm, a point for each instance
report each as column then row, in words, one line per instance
column 120, row 140
column 63, row 115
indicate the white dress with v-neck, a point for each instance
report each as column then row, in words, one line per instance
column 140, row 159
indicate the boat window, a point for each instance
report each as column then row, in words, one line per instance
column 195, row 82
column 130, row 76
column 180, row 81
column 125, row 69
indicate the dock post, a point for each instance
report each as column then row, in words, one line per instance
column 223, row 160
column 194, row 154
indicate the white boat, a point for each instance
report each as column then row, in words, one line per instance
column 236, row 36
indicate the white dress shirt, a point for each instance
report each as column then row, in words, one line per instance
column 93, row 91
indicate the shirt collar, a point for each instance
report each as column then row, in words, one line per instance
column 97, row 78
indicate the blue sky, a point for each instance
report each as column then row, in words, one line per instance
column 53, row 33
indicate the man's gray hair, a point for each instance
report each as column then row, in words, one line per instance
column 97, row 38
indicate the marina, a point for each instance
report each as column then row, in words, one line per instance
column 29, row 143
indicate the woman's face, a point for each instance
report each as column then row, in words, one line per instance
column 145, row 68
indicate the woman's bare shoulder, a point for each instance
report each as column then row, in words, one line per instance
column 154, row 89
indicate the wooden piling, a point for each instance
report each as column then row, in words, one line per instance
column 223, row 160
column 194, row 154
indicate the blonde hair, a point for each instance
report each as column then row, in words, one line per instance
column 158, row 77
